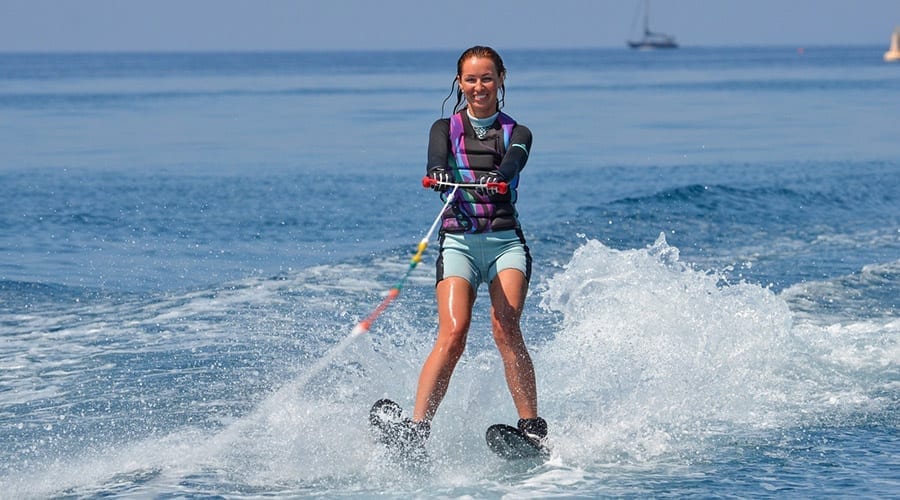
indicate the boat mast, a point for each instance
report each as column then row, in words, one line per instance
column 646, row 17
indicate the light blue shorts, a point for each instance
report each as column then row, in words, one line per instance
column 479, row 257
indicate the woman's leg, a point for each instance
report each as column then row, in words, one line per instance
column 455, row 297
column 508, row 291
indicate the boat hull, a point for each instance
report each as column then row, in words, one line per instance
column 652, row 45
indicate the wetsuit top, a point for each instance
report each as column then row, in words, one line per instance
column 503, row 149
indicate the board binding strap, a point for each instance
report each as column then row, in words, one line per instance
column 511, row 443
column 402, row 438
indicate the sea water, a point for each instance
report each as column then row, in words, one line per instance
column 184, row 237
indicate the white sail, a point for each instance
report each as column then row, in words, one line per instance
column 893, row 54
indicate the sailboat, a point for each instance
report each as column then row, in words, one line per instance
column 894, row 53
column 652, row 40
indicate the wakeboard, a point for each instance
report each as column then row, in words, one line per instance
column 392, row 431
column 510, row 443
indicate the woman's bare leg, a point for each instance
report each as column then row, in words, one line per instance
column 455, row 297
column 508, row 291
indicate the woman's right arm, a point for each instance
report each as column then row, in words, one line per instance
column 438, row 145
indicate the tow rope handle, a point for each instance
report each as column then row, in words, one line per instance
column 500, row 187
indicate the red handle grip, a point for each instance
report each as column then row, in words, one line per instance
column 501, row 187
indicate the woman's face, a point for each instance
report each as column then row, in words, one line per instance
column 480, row 82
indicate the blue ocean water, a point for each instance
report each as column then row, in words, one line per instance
column 184, row 237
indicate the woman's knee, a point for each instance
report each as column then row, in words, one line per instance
column 508, row 335
column 453, row 342
column 504, row 321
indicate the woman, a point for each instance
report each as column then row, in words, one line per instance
column 481, row 240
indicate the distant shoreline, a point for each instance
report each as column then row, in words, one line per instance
column 510, row 50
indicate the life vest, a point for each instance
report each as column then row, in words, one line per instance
column 470, row 158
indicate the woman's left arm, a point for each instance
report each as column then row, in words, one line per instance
column 517, row 153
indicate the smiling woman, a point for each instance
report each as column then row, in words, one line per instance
column 481, row 240
column 479, row 80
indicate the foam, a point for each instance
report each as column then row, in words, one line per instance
column 650, row 361
column 654, row 357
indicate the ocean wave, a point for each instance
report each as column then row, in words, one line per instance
column 868, row 293
column 654, row 357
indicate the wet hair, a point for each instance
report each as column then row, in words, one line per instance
column 482, row 52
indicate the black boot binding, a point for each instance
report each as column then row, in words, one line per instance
column 534, row 429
